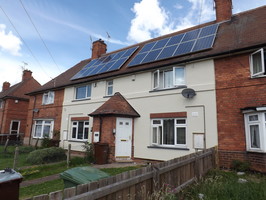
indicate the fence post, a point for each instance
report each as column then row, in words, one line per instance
column 156, row 178
column 197, row 169
column 68, row 155
column 15, row 157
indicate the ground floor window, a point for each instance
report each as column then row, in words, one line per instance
column 255, row 124
column 169, row 132
column 80, row 130
column 43, row 128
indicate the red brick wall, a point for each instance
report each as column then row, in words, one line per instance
column 51, row 111
column 235, row 90
column 223, row 10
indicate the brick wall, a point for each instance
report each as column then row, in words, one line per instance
column 51, row 111
column 235, row 90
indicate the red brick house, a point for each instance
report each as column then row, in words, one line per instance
column 14, row 105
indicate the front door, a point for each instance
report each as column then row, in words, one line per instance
column 123, row 142
column 14, row 127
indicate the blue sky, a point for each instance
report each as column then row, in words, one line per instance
column 51, row 36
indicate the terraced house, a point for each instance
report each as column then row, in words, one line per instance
column 165, row 97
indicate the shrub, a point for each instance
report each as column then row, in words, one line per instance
column 46, row 142
column 26, row 149
column 89, row 151
column 48, row 155
column 75, row 161
column 240, row 165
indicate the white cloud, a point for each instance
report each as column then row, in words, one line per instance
column 152, row 20
column 9, row 42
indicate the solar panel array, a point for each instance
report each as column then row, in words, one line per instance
column 180, row 44
column 105, row 63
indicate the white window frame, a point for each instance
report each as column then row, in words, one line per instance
column 160, row 76
column 87, row 95
column 261, row 123
column 48, row 98
column 157, row 126
column 43, row 123
column 109, row 84
column 10, row 128
column 73, row 125
column 262, row 72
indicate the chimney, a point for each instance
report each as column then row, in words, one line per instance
column 223, row 10
column 6, row 86
column 98, row 48
column 26, row 75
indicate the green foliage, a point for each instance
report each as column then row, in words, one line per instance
column 114, row 171
column 46, row 141
column 75, row 161
column 26, row 149
column 89, row 151
column 47, row 155
column 240, row 165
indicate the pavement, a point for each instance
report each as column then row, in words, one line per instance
column 56, row 176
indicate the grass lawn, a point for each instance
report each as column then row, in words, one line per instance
column 224, row 185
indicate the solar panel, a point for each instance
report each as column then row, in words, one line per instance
column 180, row 44
column 105, row 63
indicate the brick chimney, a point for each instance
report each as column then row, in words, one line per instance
column 26, row 75
column 98, row 48
column 6, row 86
column 223, row 10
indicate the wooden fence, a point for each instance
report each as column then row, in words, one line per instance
column 140, row 184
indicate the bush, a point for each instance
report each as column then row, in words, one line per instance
column 240, row 165
column 26, row 149
column 75, row 161
column 89, row 151
column 48, row 155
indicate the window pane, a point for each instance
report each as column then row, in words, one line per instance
column 160, row 134
column 88, row 90
column 45, row 98
column 180, row 135
column 257, row 62
column 74, row 131
column 81, row 92
column 51, row 97
column 155, row 80
column 168, row 79
column 38, row 131
column 46, row 131
column 179, row 76
column 254, row 136
column 180, row 121
column 168, row 131
column 154, row 135
column 86, row 123
column 253, row 118
column 80, row 130
column 86, row 133
column 156, row 121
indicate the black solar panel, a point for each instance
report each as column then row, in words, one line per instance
column 105, row 63
column 192, row 41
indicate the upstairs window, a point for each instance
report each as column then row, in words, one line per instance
column 255, row 125
column 257, row 63
column 168, row 78
column 48, row 98
column 83, row 92
column 169, row 132
column 109, row 88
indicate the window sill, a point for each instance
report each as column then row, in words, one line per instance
column 258, row 76
column 165, row 89
column 47, row 104
column 108, row 96
column 71, row 140
column 255, row 151
column 165, row 147
column 81, row 99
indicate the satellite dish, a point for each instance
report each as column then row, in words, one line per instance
column 188, row 93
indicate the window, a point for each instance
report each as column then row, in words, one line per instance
column 169, row 132
column 257, row 63
column 83, row 92
column 256, row 131
column 1, row 104
column 48, row 98
column 169, row 78
column 80, row 130
column 109, row 88
column 43, row 128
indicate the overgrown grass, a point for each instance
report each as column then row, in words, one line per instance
column 43, row 188
column 221, row 185
column 114, row 171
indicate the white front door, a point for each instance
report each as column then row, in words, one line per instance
column 123, row 140
column 14, row 127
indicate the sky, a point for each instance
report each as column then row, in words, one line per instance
column 50, row 36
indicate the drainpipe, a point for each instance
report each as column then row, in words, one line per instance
column 100, row 131
column 34, row 104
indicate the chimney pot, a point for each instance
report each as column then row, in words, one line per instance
column 6, row 86
column 98, row 48
column 26, row 75
column 223, row 10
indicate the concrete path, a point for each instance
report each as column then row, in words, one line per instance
column 56, row 176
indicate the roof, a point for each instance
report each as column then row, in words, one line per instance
column 233, row 36
column 116, row 105
column 20, row 89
